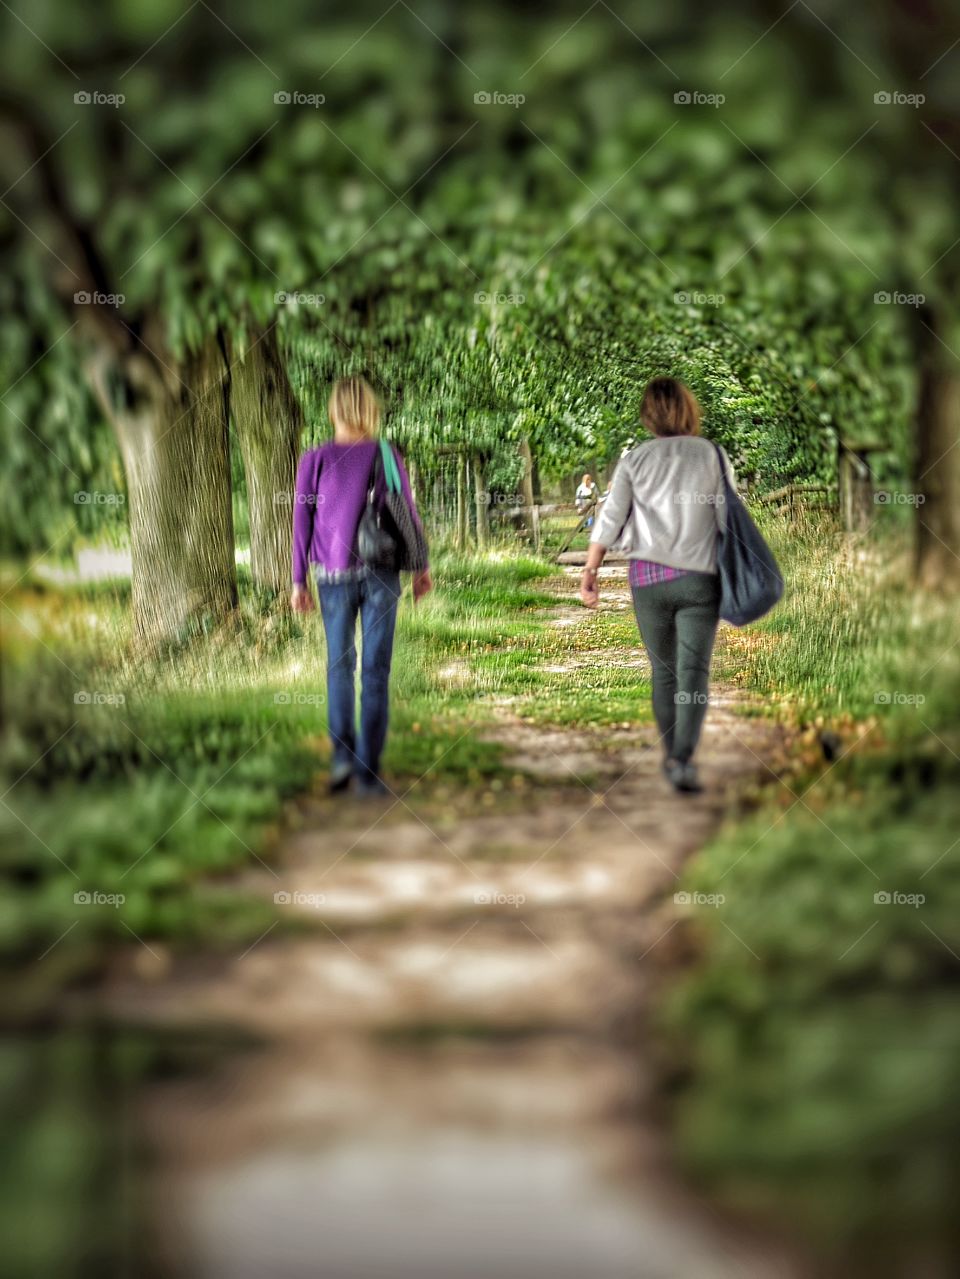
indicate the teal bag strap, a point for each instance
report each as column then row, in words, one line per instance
column 390, row 469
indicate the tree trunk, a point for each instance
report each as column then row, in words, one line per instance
column 481, row 498
column 937, row 472
column 463, row 523
column 267, row 420
column 173, row 436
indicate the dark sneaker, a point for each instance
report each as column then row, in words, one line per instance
column 340, row 775
column 371, row 788
column 682, row 777
column 691, row 779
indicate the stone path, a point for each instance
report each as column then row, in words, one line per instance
column 451, row 1078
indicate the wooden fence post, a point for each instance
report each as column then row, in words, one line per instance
column 855, row 486
column 462, row 518
column 526, row 487
column 481, row 499
column 413, row 475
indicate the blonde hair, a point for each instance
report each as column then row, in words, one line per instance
column 354, row 404
column 670, row 408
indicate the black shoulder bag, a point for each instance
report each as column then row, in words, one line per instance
column 389, row 536
column 750, row 578
column 378, row 544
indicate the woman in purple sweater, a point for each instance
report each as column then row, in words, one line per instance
column 331, row 492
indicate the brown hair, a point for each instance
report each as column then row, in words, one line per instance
column 354, row 403
column 669, row 408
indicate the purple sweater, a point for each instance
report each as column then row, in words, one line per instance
column 330, row 496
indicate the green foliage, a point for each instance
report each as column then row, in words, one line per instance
column 850, row 629
column 367, row 227
column 811, row 1040
column 816, row 1033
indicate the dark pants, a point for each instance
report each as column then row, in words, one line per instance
column 375, row 599
column 678, row 623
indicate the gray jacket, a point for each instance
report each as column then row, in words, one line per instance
column 666, row 503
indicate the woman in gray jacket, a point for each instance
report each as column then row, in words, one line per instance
column 666, row 510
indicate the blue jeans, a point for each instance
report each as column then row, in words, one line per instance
column 375, row 598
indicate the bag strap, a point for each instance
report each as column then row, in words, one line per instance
column 375, row 468
column 724, row 477
column 390, row 468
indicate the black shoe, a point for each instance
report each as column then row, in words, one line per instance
column 682, row 776
column 371, row 788
column 340, row 775
column 691, row 779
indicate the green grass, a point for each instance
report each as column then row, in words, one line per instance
column 811, row 1046
column 173, row 775
column 68, row 1202
column 810, row 1041
column 850, row 626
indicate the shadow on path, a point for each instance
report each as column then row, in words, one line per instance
column 452, row 1080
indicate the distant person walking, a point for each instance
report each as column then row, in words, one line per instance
column 666, row 509
column 586, row 498
column 331, row 494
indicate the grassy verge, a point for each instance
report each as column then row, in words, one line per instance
column 812, row 1044
column 163, row 796
column 137, row 787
